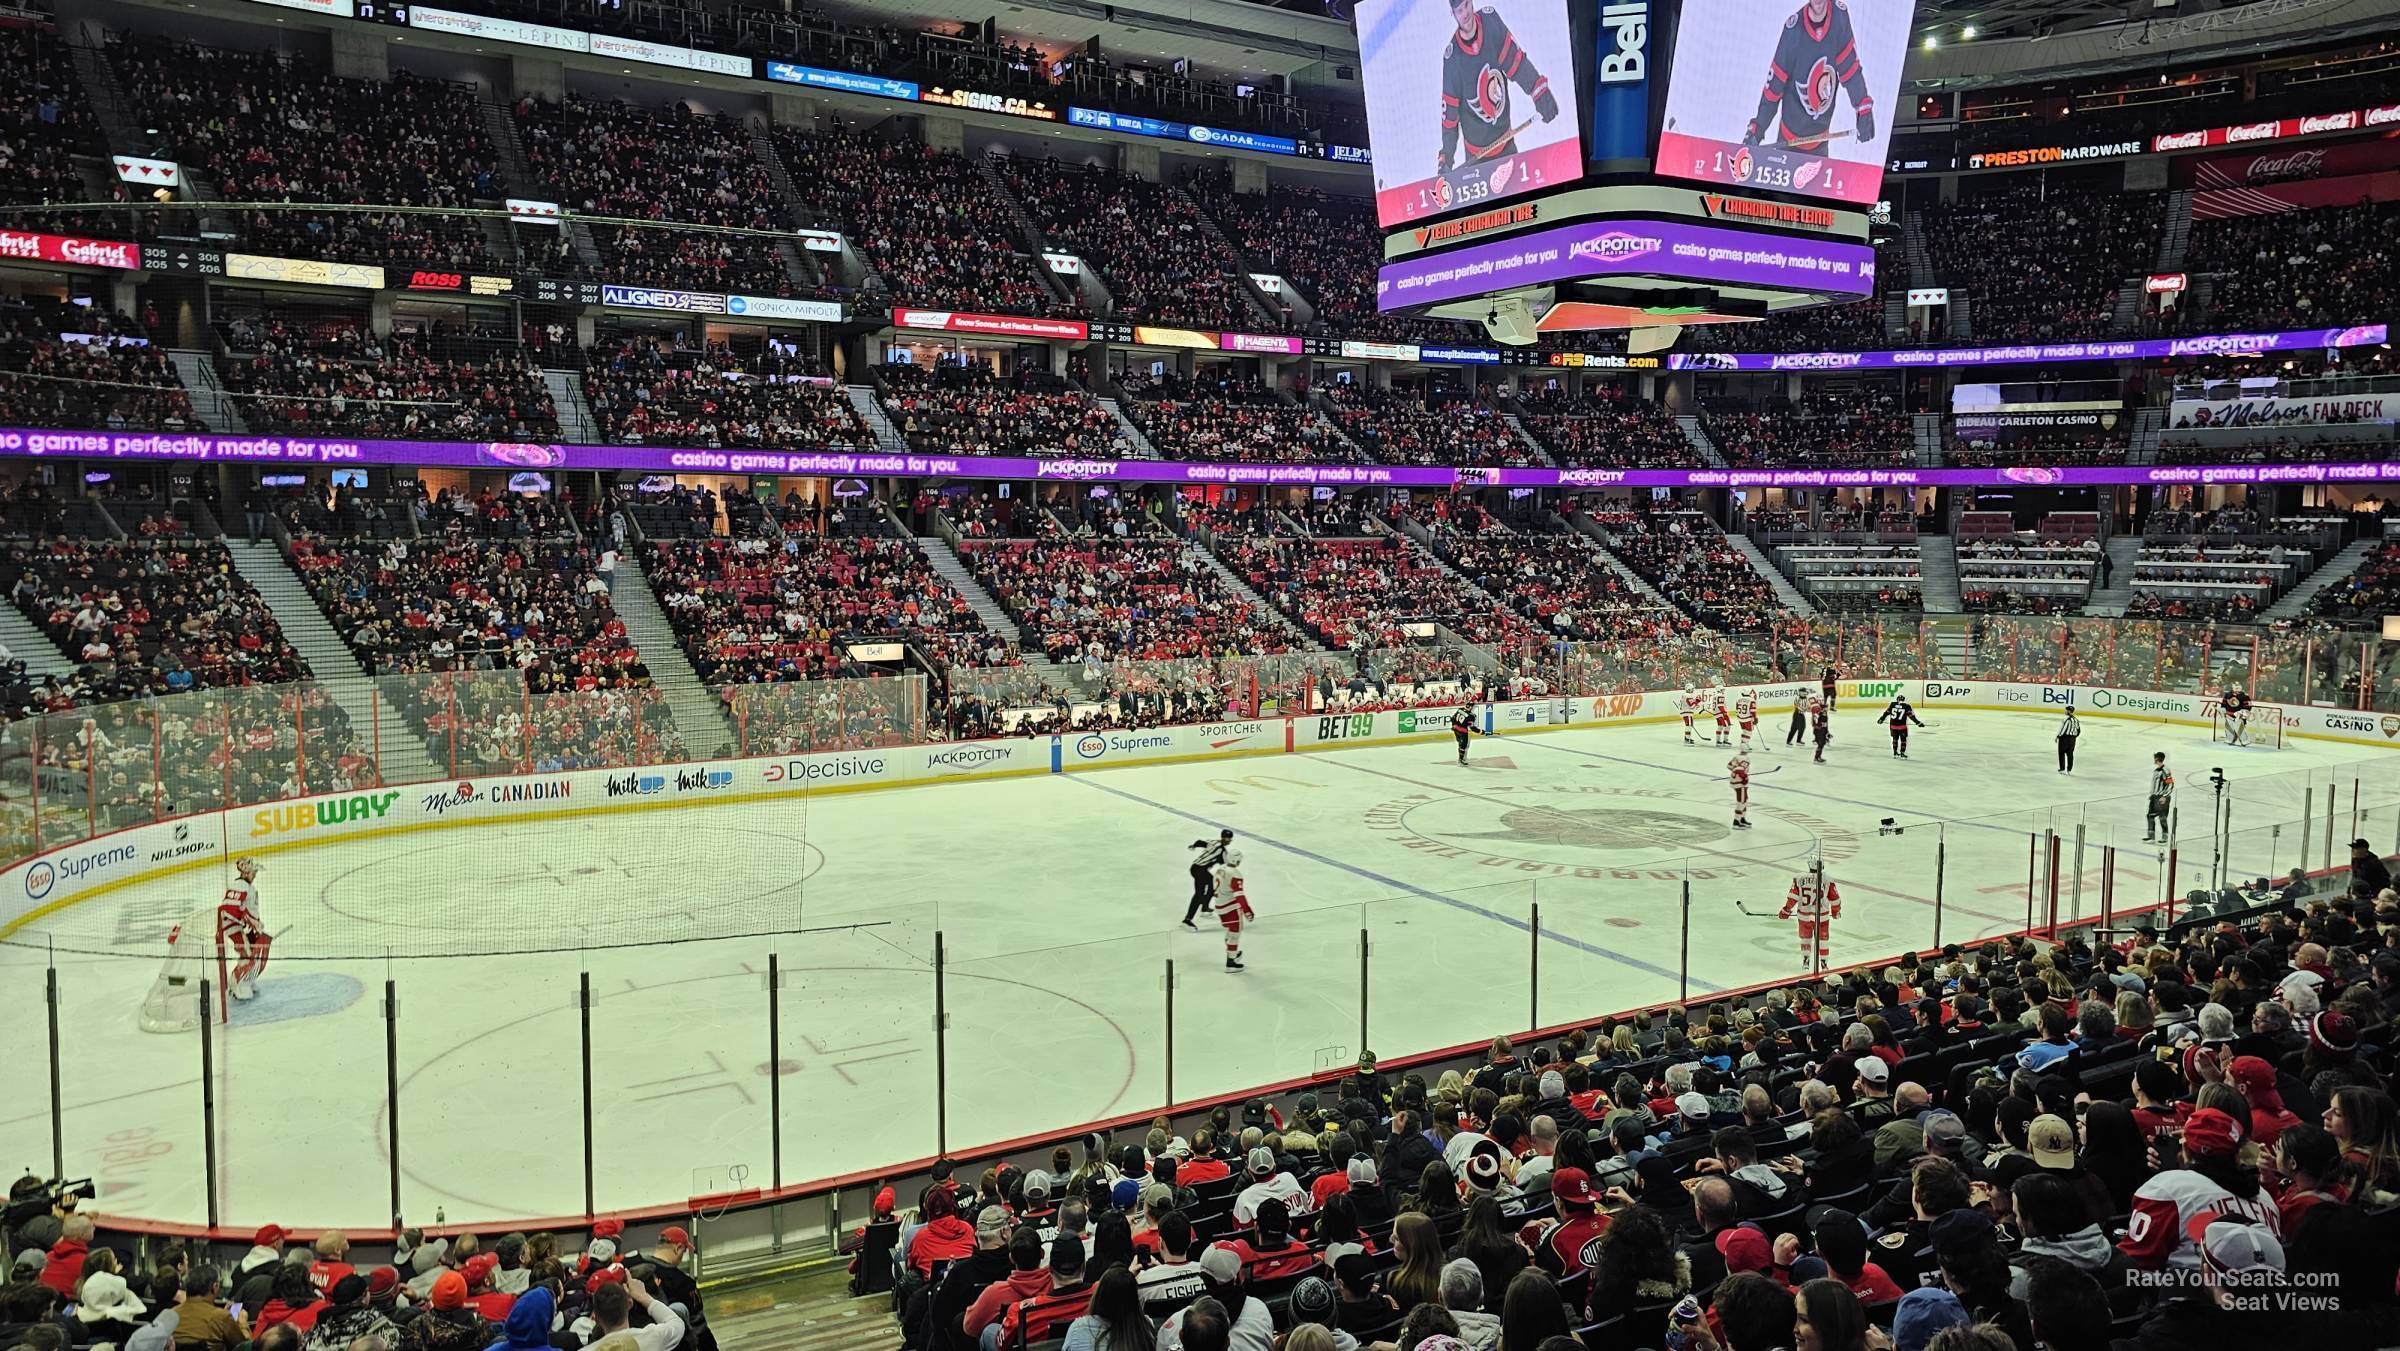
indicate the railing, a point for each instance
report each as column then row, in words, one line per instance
column 890, row 1025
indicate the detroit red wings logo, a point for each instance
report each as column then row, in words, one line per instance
column 1491, row 91
column 1816, row 92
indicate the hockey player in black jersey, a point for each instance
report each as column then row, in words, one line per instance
column 1462, row 723
column 1897, row 716
column 1204, row 873
column 1481, row 62
column 1816, row 57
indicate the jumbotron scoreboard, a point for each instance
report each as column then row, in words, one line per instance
column 1552, row 165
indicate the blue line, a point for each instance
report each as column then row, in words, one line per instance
column 1589, row 949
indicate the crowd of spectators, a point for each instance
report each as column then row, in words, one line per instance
column 2040, row 260
column 667, row 166
column 1685, row 555
column 275, row 127
column 1103, row 599
column 2325, row 267
column 1609, row 427
column 1228, row 418
column 1819, row 430
column 2368, row 593
column 339, row 377
column 1852, row 326
column 2053, row 448
column 101, row 373
column 45, row 122
column 1328, row 246
column 2030, row 1144
column 644, row 391
column 1394, row 426
column 150, row 615
column 1146, row 240
column 757, row 609
column 1364, row 593
column 969, row 410
column 1560, row 582
column 925, row 220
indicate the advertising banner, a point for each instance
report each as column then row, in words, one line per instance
column 2027, row 157
column 2130, row 349
column 303, row 271
column 153, row 173
column 498, row 30
column 2277, row 411
column 1468, row 103
column 1786, row 95
column 843, row 81
column 33, row 247
column 532, row 212
column 1628, row 247
column 776, row 307
column 2307, row 195
column 1264, row 343
column 2285, row 164
column 2273, row 129
column 656, row 298
column 994, row 325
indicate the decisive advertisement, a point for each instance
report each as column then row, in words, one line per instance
column 1784, row 95
column 1467, row 102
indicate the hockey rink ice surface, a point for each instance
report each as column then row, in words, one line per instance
column 1057, row 899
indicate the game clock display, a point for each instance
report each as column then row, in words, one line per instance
column 393, row 12
column 1784, row 96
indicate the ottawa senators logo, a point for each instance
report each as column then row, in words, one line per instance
column 1491, row 92
column 1816, row 92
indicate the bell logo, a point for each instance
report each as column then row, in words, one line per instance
column 1628, row 24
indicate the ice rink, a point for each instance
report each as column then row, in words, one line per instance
column 1055, row 898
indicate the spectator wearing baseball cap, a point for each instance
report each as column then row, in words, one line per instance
column 2211, row 1182
column 1569, row 1242
column 1925, row 1313
column 1872, row 1082
column 1267, row 1179
column 1268, row 1252
column 1253, row 1326
column 2228, row 1252
column 1028, row 1275
column 1047, row 1314
column 266, row 1248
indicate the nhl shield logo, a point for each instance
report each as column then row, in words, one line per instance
column 1816, row 92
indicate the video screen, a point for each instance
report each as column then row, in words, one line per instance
column 1468, row 101
column 1785, row 95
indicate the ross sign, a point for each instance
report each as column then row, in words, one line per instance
column 653, row 298
column 33, row 247
column 303, row 271
column 775, row 307
column 843, row 81
column 992, row 325
column 1928, row 295
column 152, row 173
column 1064, row 264
column 1628, row 248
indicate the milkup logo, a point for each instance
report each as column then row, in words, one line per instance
column 1617, row 246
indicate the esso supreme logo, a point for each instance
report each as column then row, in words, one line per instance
column 436, row 281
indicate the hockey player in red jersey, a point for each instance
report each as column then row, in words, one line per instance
column 1745, row 716
column 1232, row 907
column 1724, row 717
column 1689, row 705
column 1816, row 915
column 1738, row 768
column 1481, row 62
column 1815, row 58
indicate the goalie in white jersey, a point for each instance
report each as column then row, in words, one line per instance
column 243, row 929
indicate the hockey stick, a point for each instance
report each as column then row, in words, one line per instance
column 1737, row 904
column 1728, row 778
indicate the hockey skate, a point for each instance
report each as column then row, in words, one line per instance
column 244, row 989
column 1234, row 964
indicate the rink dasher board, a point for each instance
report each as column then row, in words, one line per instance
column 44, row 884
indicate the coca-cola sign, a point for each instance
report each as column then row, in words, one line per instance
column 2310, row 126
column 27, row 246
column 2383, row 116
column 2180, row 140
column 2255, row 131
column 2292, row 164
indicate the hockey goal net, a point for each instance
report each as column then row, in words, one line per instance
column 196, row 952
column 2260, row 726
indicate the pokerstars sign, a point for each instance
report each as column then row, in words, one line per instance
column 30, row 247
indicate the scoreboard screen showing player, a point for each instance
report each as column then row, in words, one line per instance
column 1785, row 95
column 1468, row 102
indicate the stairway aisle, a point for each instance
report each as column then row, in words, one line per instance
column 2294, row 603
column 2110, row 601
column 698, row 715
column 336, row 668
column 1792, row 597
column 1937, row 560
column 887, row 437
column 26, row 642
